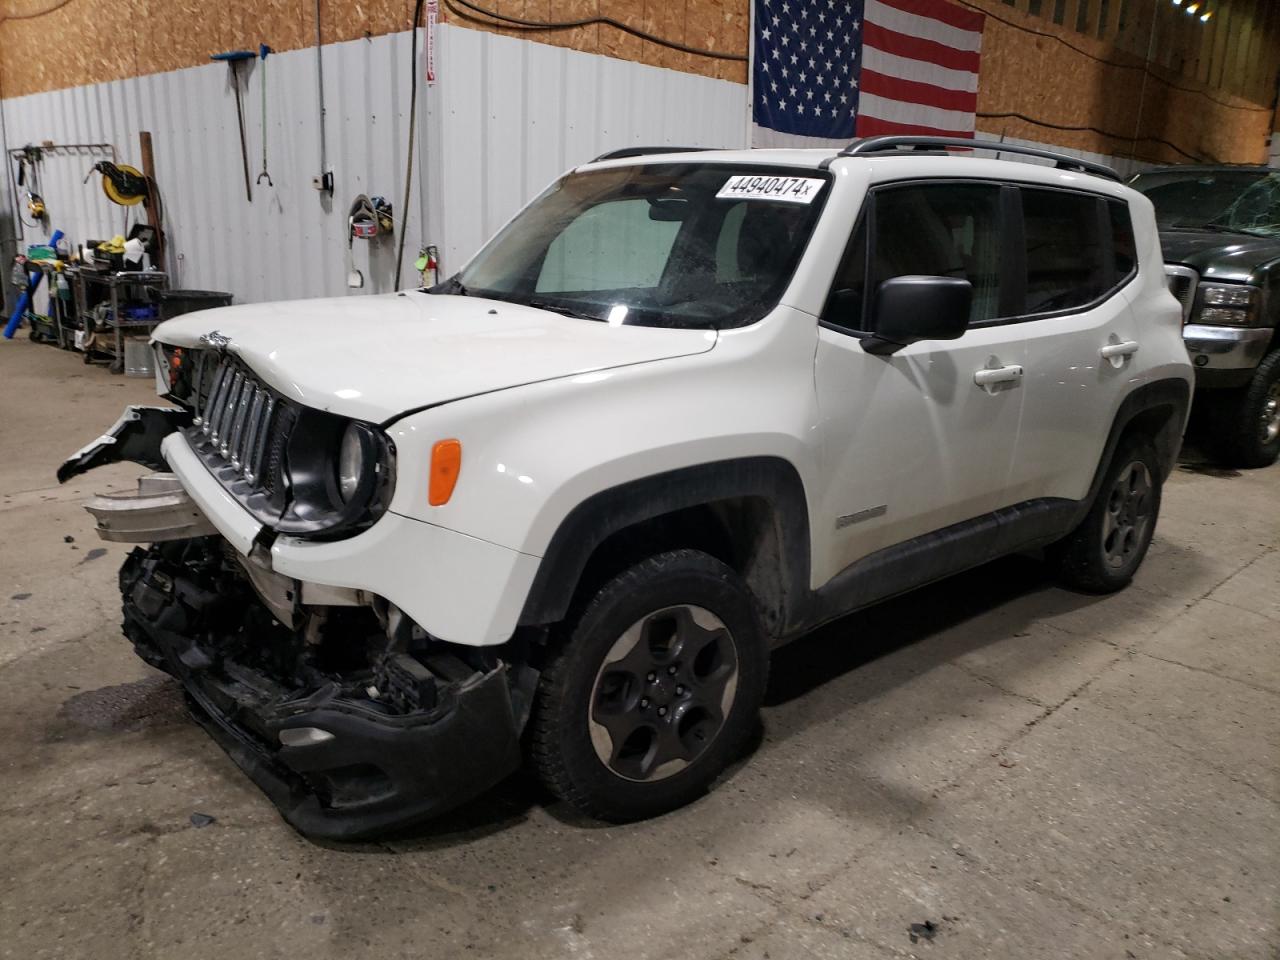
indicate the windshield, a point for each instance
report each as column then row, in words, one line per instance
column 674, row 245
column 1246, row 201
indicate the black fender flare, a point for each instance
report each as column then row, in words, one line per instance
column 772, row 480
column 1173, row 394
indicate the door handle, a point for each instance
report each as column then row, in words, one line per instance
column 989, row 378
column 1117, row 353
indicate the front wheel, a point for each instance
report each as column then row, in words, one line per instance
column 1248, row 428
column 1104, row 552
column 654, row 692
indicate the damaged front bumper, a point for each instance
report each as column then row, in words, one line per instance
column 349, row 717
column 343, row 751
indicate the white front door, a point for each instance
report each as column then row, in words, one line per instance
column 925, row 437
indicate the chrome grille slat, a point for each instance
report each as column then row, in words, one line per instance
column 222, row 423
column 260, row 446
column 202, row 372
column 227, row 420
column 237, row 428
column 215, row 391
column 251, row 434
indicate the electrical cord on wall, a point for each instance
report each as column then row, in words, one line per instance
column 469, row 11
column 1144, row 66
column 34, row 13
column 1105, row 133
column 413, row 116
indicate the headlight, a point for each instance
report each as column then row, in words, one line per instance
column 351, row 462
column 339, row 476
column 1227, row 304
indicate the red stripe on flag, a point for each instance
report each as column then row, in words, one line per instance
column 947, row 13
column 874, row 127
column 911, row 91
column 915, row 48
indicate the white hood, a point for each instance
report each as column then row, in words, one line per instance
column 374, row 358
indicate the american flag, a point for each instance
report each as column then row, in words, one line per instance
column 835, row 69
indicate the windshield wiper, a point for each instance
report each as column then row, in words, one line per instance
column 562, row 309
column 452, row 286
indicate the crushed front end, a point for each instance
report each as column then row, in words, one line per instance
column 346, row 713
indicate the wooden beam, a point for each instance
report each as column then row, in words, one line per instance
column 153, row 208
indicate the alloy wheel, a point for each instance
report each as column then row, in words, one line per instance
column 1270, row 417
column 663, row 693
column 1127, row 521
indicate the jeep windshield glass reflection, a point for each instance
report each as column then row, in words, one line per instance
column 673, row 245
column 1241, row 201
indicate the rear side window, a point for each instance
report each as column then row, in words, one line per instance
column 1126, row 248
column 1068, row 264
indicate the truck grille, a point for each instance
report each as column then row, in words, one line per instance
column 1182, row 284
column 237, row 417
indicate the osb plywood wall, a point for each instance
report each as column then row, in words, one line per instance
column 1038, row 82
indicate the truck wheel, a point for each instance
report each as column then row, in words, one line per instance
column 654, row 691
column 1249, row 421
column 1103, row 553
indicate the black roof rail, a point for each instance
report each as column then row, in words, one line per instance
column 644, row 152
column 890, row 144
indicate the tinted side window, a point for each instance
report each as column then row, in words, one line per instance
column 1126, row 249
column 1066, row 266
column 940, row 230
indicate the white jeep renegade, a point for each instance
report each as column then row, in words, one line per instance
column 684, row 407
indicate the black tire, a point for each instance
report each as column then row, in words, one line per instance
column 1104, row 552
column 654, row 602
column 1247, row 427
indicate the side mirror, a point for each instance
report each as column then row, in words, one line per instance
column 908, row 309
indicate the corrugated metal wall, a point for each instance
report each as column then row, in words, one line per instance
column 506, row 117
column 510, row 115
column 289, row 242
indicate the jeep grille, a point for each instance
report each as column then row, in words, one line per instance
column 238, row 419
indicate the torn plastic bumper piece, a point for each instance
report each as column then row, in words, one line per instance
column 336, row 764
column 158, row 510
column 135, row 437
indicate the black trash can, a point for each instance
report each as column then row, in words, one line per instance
column 174, row 303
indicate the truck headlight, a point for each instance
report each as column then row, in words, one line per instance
column 352, row 462
column 1227, row 304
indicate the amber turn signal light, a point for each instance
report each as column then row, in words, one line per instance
column 446, row 461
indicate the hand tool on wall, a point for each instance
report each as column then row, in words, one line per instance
column 121, row 183
column 263, row 50
column 233, row 59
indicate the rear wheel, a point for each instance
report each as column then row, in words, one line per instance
column 655, row 690
column 1103, row 553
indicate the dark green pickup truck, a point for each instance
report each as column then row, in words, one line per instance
column 1220, row 229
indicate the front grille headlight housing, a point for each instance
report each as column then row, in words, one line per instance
column 1227, row 304
column 351, row 462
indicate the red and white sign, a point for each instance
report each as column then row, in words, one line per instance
column 433, row 15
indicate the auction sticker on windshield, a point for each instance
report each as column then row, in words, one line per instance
column 788, row 189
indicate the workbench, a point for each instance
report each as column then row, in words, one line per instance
column 122, row 288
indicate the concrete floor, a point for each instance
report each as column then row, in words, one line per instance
column 1033, row 772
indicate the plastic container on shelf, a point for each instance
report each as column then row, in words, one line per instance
column 138, row 357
